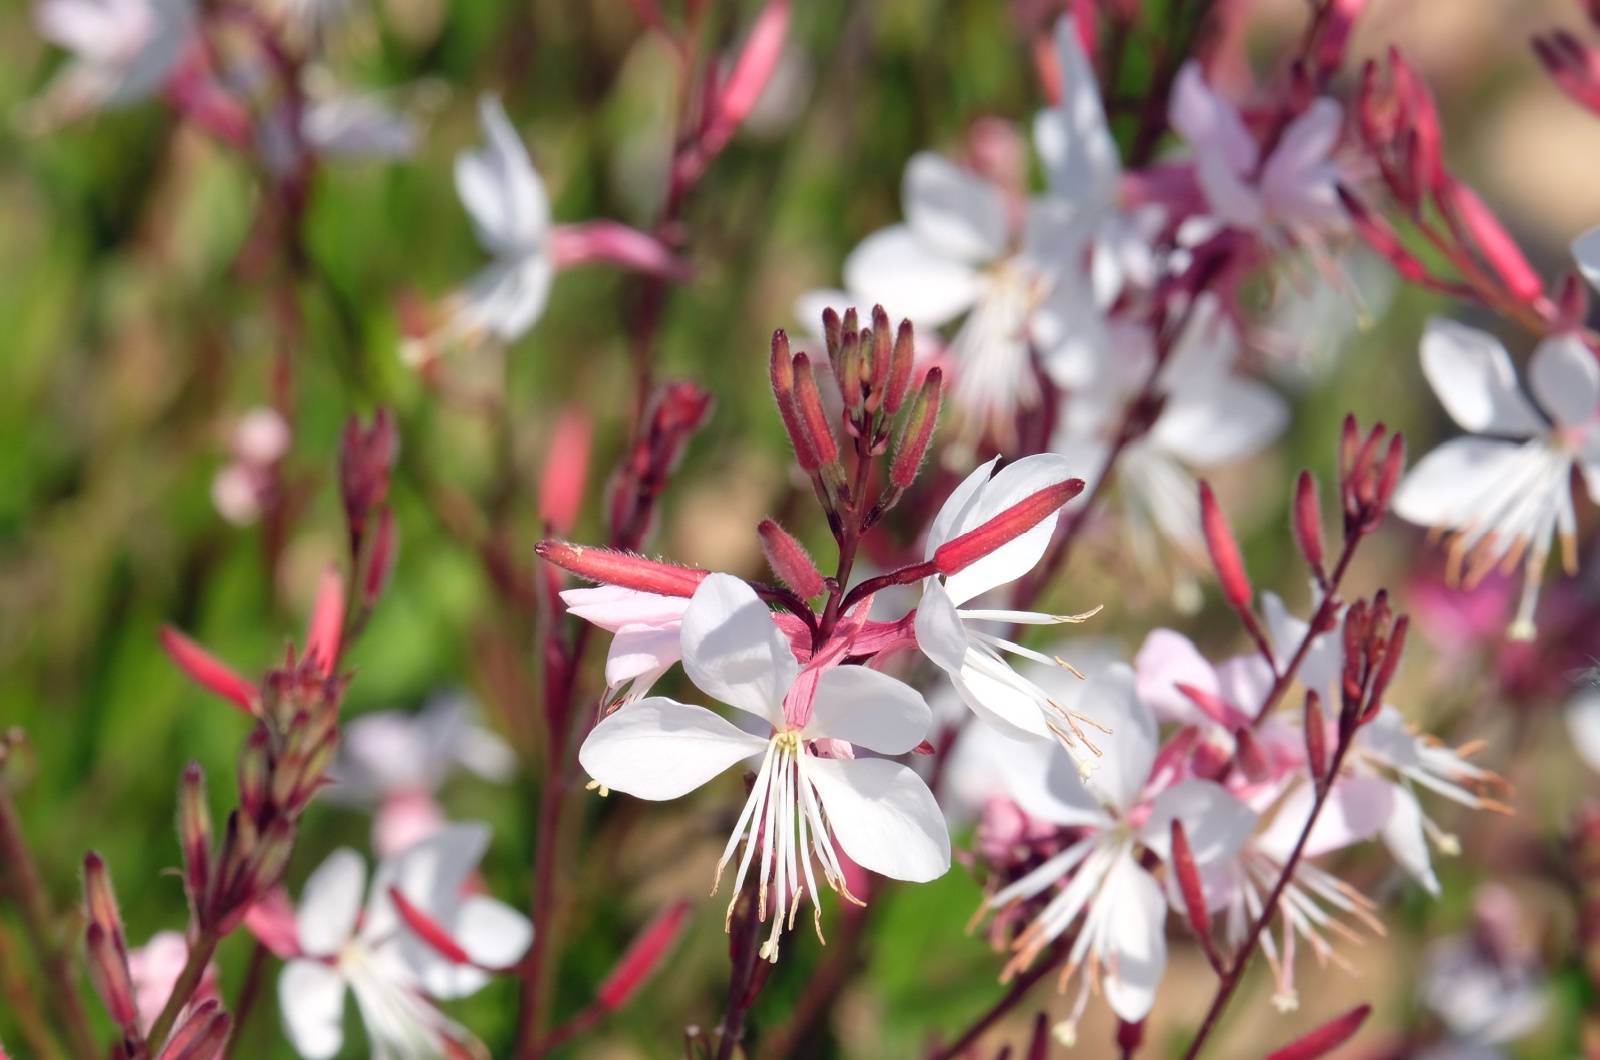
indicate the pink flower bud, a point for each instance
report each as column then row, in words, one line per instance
column 1382, row 239
column 961, row 552
column 428, row 929
column 901, row 362
column 1188, row 873
column 108, row 971
column 202, row 1035
column 1251, row 758
column 1326, row 1038
column 327, row 623
column 99, row 897
column 255, row 772
column 194, row 832
column 1224, row 552
column 643, row 957
column 380, row 559
column 366, row 458
column 621, row 568
column 1494, row 243
column 566, row 470
column 1316, row 734
column 813, row 417
column 1336, row 28
column 916, row 434
column 750, row 75
column 789, row 560
column 1308, row 521
column 208, row 672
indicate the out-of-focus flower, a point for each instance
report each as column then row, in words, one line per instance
column 396, row 762
column 1504, row 492
column 1583, row 724
column 1292, row 193
column 951, row 635
column 645, row 640
column 154, row 969
column 1486, row 986
column 244, row 486
column 1118, row 809
column 879, row 812
column 379, row 957
column 123, row 51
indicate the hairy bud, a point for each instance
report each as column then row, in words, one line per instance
column 789, row 560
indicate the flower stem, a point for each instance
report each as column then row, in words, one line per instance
column 200, row 954
column 1019, row 989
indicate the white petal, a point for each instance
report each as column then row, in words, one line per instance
column 431, row 873
column 1583, row 726
column 1209, row 122
column 1044, row 781
column 896, row 269
column 953, row 210
column 1298, row 180
column 1404, row 836
column 734, row 652
column 952, row 513
column 1565, row 379
column 1137, row 936
column 1166, row 660
column 1357, row 809
column 1079, row 154
column 1214, row 821
column 1130, row 748
column 1015, row 483
column 1447, row 487
column 1230, row 196
column 1229, row 421
column 1586, row 252
column 505, row 298
column 499, row 187
column 658, row 749
column 1001, row 704
column 869, row 709
column 940, row 632
column 330, row 903
column 883, row 815
column 494, row 936
column 311, row 999
column 1472, row 375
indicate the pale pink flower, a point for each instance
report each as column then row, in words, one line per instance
column 259, row 441
column 878, row 812
column 123, row 51
column 645, row 640
column 1487, row 986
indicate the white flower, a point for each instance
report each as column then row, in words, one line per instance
column 950, row 634
column 1123, row 932
column 391, row 971
column 1503, row 497
column 124, row 51
column 879, row 812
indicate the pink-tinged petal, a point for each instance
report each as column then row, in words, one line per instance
column 1230, row 197
column 869, row 709
column 500, row 189
column 898, row 270
column 940, row 632
column 1168, row 659
column 953, row 210
column 1211, row 124
column 1403, row 834
column 734, row 652
column 403, row 820
column 1232, row 420
column 1450, row 486
column 883, row 816
column 1044, row 781
column 1472, row 375
column 1015, row 482
column 1586, row 252
column 1583, row 726
column 1298, row 180
column 658, row 749
column 1243, row 682
column 330, row 903
column 431, row 875
column 272, row 921
column 311, row 1001
column 504, row 300
column 640, row 650
column 327, row 622
column 1216, row 823
column 1357, row 809
column 1080, row 156
column 1137, row 938
column 615, row 244
column 207, row 671
column 1565, row 379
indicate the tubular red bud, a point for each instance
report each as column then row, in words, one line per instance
column 781, row 371
column 1336, row 31
column 208, row 672
column 623, row 569
column 832, row 333
column 1394, row 465
column 428, row 929
column 380, row 559
column 202, row 1035
column 750, row 75
column 327, row 623
column 901, row 363
column 1308, row 521
column 1217, row 709
column 1316, row 734
column 99, row 897
column 643, row 957
column 883, row 343
column 1188, row 873
column 1224, row 552
column 1393, row 648
column 1039, row 1042
column 1572, row 304
column 848, row 372
column 566, row 471
column 1494, row 243
column 255, row 772
column 265, row 870
column 1326, row 1038
column 1251, row 758
column 808, row 402
column 959, row 553
column 194, row 832
column 366, row 459
column 917, row 432
column 108, row 970
column 789, row 560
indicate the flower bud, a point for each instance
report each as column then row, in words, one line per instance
column 621, row 569
column 108, row 971
column 832, row 333
column 1326, row 1038
column 428, row 929
column 99, row 897
column 643, row 957
column 1194, row 895
column 566, row 470
column 194, row 832
column 208, row 672
column 1382, row 238
column 901, row 362
column 1308, row 521
column 961, row 552
column 882, row 359
column 327, row 623
column 1251, row 758
column 916, row 433
column 1494, row 242
column 808, row 403
column 255, row 772
column 366, row 458
column 202, row 1034
column 380, row 559
column 1316, row 733
column 789, row 560
column 1224, row 552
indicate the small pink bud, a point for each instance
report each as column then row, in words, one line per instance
column 916, row 433
column 1572, row 304
column 380, row 559
column 1224, row 552
column 194, row 832
column 1316, row 737
column 108, row 970
column 621, row 568
column 1308, row 521
column 201, row 1035
column 1495, row 243
column 99, row 896
column 1251, row 758
column 1188, row 873
column 327, row 623
column 366, row 458
column 901, row 361
column 813, row 417
column 255, row 772
column 428, row 929
column 615, row 244
column 566, row 470
column 1326, row 1038
column 750, row 74
column 961, row 552
column 1336, row 28
column 789, row 560
column 1394, row 647
column 208, row 672
column 1214, row 706
column 643, row 957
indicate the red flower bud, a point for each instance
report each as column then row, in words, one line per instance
column 643, row 957
column 1188, row 873
column 194, row 832
column 99, row 897
column 255, row 772
column 808, row 403
column 428, row 929
column 1316, row 734
column 108, row 971
column 1308, row 521
column 202, row 1034
column 789, row 560
column 916, row 433
column 327, row 623
column 1326, row 1038
column 961, row 552
column 901, row 362
column 1251, row 758
column 1224, row 552
column 621, row 568
column 380, row 559
column 1494, row 242
column 566, row 471
column 208, row 672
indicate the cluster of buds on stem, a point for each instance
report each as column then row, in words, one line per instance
column 1374, row 640
column 1573, row 65
column 366, row 462
column 1366, row 482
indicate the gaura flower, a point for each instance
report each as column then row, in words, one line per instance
column 802, row 805
column 645, row 640
column 123, row 51
column 1502, row 493
column 1126, row 805
column 374, row 954
column 952, row 635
